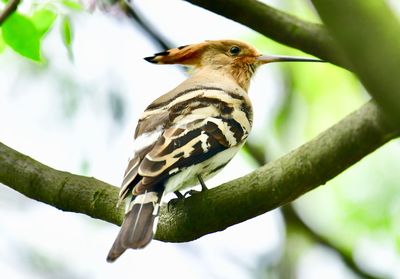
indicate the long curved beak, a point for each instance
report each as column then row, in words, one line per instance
column 264, row 59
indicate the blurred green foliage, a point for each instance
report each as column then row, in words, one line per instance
column 44, row 266
column 2, row 43
column 117, row 106
column 73, row 5
column 24, row 32
column 43, row 20
column 66, row 33
column 21, row 35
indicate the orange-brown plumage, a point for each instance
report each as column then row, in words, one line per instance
column 215, row 55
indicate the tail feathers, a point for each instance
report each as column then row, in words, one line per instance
column 137, row 229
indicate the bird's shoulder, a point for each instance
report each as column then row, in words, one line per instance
column 193, row 96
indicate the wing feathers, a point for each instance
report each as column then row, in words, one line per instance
column 190, row 147
column 190, row 126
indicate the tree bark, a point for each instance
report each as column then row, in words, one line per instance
column 269, row 187
column 277, row 25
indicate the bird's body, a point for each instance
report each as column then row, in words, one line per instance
column 187, row 134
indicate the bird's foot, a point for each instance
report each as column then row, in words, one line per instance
column 203, row 185
column 194, row 192
column 191, row 193
column 179, row 195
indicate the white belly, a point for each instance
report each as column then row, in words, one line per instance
column 188, row 177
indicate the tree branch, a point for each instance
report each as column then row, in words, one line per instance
column 369, row 34
column 294, row 221
column 297, row 223
column 268, row 187
column 63, row 190
column 8, row 10
column 146, row 27
column 284, row 28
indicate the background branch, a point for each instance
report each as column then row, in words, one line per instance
column 282, row 27
column 8, row 10
column 369, row 35
column 268, row 187
column 131, row 12
column 294, row 220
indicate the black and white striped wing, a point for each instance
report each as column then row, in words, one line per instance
column 131, row 173
column 148, row 131
column 182, row 147
column 186, row 128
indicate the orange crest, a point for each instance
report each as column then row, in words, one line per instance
column 185, row 55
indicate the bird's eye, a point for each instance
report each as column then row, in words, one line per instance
column 234, row 50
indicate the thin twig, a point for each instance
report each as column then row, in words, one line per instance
column 147, row 28
column 162, row 43
column 8, row 10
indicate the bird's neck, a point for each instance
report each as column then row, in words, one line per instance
column 226, row 75
column 242, row 73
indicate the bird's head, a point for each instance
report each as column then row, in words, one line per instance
column 232, row 57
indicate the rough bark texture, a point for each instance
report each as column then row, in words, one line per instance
column 269, row 187
column 66, row 191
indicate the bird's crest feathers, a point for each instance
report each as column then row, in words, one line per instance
column 185, row 55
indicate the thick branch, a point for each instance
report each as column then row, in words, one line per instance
column 369, row 35
column 66, row 191
column 277, row 25
column 267, row 188
column 8, row 10
column 294, row 221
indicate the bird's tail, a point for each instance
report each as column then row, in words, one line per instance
column 139, row 224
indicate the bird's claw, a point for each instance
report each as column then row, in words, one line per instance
column 191, row 193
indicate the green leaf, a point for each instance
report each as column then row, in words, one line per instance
column 43, row 20
column 67, row 35
column 2, row 43
column 73, row 5
column 66, row 31
column 21, row 35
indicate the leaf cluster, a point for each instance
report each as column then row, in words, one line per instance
column 24, row 32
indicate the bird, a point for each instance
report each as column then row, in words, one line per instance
column 189, row 134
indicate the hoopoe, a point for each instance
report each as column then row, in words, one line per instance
column 190, row 133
